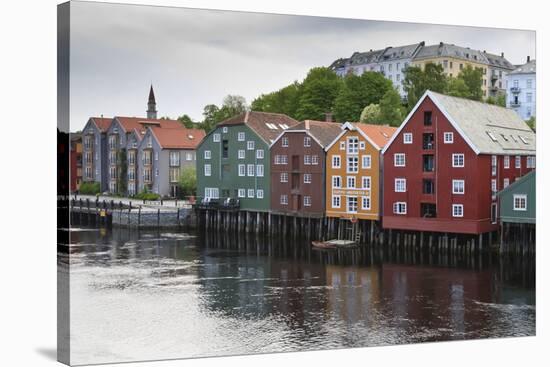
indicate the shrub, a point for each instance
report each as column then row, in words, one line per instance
column 145, row 195
column 89, row 188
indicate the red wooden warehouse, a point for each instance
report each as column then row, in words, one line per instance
column 446, row 162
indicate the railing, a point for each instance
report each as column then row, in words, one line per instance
column 217, row 203
column 515, row 90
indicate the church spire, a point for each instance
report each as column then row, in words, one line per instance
column 151, row 105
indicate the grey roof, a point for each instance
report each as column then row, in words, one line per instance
column 324, row 132
column 401, row 52
column 477, row 121
column 448, row 50
column 338, row 63
column 498, row 61
column 528, row 68
column 360, row 58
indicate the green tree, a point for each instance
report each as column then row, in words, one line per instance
column 391, row 109
column 232, row 105
column 358, row 92
column 188, row 181
column 418, row 80
column 371, row 114
column 187, row 122
column 285, row 100
column 532, row 122
column 473, row 79
column 318, row 93
column 457, row 87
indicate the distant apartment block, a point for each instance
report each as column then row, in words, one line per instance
column 521, row 89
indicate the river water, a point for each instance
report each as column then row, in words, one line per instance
column 148, row 295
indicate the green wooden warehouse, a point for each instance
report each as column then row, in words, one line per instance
column 233, row 160
column 517, row 214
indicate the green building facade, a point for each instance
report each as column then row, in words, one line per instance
column 233, row 160
column 517, row 202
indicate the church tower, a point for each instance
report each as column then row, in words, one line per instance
column 151, row 105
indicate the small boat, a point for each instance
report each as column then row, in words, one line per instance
column 323, row 245
column 331, row 244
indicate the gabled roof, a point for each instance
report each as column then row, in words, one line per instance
column 322, row 132
column 376, row 135
column 488, row 129
column 528, row 68
column 518, row 182
column 360, row 58
column 181, row 138
column 102, row 123
column 400, row 52
column 141, row 123
column 266, row 124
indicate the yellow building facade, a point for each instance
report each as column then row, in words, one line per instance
column 353, row 171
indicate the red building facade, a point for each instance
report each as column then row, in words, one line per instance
column 447, row 161
column 298, row 168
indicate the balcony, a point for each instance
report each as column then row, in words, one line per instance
column 494, row 76
column 515, row 90
column 428, row 141
column 515, row 103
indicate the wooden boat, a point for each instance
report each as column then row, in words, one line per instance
column 331, row 244
column 323, row 245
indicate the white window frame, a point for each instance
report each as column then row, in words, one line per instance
column 207, row 154
column 283, row 200
column 343, row 145
column 339, row 179
column 216, row 137
column 207, row 170
column 460, row 183
column 284, row 141
column 448, row 137
column 352, row 180
column 224, row 129
column 284, row 177
column 307, row 200
column 259, row 170
column 315, row 160
column 307, row 141
column 396, row 159
column 242, row 170
column 349, row 201
column 250, row 145
column 259, row 194
column 506, row 162
column 250, row 194
column 365, row 203
column 250, row 168
column 338, row 199
column 366, row 161
column 307, row 160
column 241, row 136
column 353, row 145
column 241, row 154
column 458, row 210
column 520, row 197
column 353, row 168
column 407, row 138
column 517, row 161
column 362, row 145
column 400, row 185
column 259, row 154
column 505, row 183
column 366, row 182
column 338, row 159
column 400, row 207
column 307, row 178
column 241, row 193
column 458, row 160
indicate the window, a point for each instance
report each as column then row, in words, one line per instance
column 251, row 193
column 427, row 118
column 530, row 162
column 224, row 130
column 353, row 165
column 352, row 204
column 211, row 192
column 529, row 83
column 428, row 141
column 241, row 136
column 307, row 141
column 281, row 159
column 315, row 159
column 518, row 161
column 365, row 202
column 260, row 194
column 156, row 156
column 448, row 137
column 458, row 210
column 242, row 170
column 458, row 160
column 428, row 186
column 260, row 154
column 491, row 135
column 207, row 154
column 241, row 193
column 307, row 159
column 284, row 177
column 365, row 182
column 494, row 165
column 336, row 182
column 307, row 200
column 284, row 200
column 506, row 161
column 399, row 160
column 174, row 158
column 494, row 188
column 353, row 145
column 400, row 207
column 361, row 145
column 458, row 187
column 174, row 174
column 307, row 177
column 335, row 161
column 428, row 163
column 260, row 170
column 520, row 202
column 284, row 141
column 351, row 182
column 529, row 97
column 342, row 145
column 217, row 138
column 335, row 201
column 250, row 145
column 250, row 170
column 365, row 161
column 505, row 183
column 407, row 138
column 400, row 185
column 207, row 170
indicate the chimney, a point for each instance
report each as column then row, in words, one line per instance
column 484, row 51
column 502, row 54
column 307, row 124
column 440, row 44
column 328, row 116
column 528, row 58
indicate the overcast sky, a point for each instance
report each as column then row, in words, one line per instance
column 196, row 57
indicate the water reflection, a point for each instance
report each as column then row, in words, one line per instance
column 170, row 295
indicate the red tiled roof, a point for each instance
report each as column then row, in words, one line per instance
column 141, row 123
column 258, row 121
column 102, row 123
column 379, row 134
column 181, row 138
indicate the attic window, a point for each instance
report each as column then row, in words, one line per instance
column 504, row 137
column 283, row 126
column 190, row 136
column 386, row 135
column 492, row 136
column 272, row 126
column 524, row 140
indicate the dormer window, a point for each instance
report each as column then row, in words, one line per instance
column 492, row 136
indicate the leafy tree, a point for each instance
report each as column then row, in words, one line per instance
column 232, row 105
column 188, row 181
column 501, row 100
column 532, row 122
column 473, row 79
column 357, row 92
column 285, row 100
column 371, row 114
column 391, row 109
column 210, row 113
column 187, row 122
column 417, row 81
column 457, row 87
column 318, row 93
